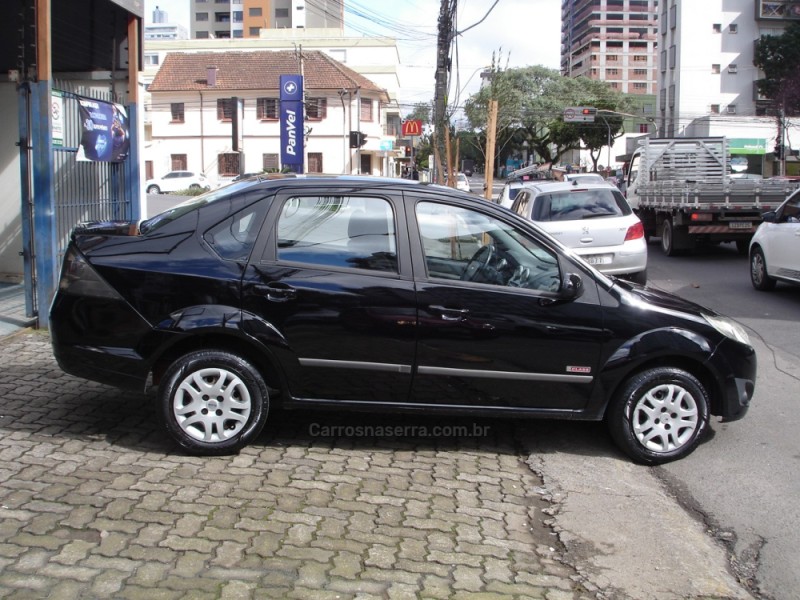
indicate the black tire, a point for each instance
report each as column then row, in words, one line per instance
column 758, row 271
column 668, row 238
column 640, row 277
column 194, row 186
column 645, row 418
column 153, row 189
column 222, row 424
column 742, row 247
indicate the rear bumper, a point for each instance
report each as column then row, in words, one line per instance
column 631, row 257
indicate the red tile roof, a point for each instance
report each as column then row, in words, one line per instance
column 188, row 71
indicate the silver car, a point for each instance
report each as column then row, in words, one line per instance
column 592, row 218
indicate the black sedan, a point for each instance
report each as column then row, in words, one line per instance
column 383, row 294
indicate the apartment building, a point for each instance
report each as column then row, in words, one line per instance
column 221, row 19
column 611, row 40
column 707, row 80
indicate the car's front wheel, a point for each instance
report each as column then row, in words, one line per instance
column 659, row 415
column 212, row 402
column 758, row 271
column 153, row 189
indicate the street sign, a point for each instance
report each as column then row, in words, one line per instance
column 411, row 127
column 579, row 114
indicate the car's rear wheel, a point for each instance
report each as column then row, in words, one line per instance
column 212, row 402
column 758, row 271
column 153, row 189
column 194, row 186
column 659, row 415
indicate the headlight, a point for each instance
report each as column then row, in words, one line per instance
column 729, row 328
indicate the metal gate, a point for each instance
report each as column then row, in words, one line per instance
column 82, row 191
column 85, row 191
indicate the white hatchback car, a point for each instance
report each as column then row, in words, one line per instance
column 775, row 247
column 462, row 183
column 592, row 218
column 177, row 180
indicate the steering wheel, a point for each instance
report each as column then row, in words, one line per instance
column 478, row 262
column 548, row 281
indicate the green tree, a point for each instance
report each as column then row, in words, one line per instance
column 421, row 111
column 778, row 56
column 531, row 103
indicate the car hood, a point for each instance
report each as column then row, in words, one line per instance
column 636, row 293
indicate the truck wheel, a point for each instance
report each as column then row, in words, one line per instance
column 668, row 238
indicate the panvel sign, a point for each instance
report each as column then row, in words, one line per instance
column 292, row 122
column 105, row 134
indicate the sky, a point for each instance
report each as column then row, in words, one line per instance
column 519, row 32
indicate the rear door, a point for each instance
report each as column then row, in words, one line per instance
column 336, row 296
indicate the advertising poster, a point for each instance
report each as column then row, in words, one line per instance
column 57, row 112
column 292, row 122
column 105, row 135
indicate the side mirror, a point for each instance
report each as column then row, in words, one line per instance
column 571, row 287
column 770, row 216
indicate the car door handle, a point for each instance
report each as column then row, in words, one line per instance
column 278, row 293
column 450, row 314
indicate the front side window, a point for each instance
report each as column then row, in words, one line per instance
column 791, row 210
column 466, row 245
column 338, row 231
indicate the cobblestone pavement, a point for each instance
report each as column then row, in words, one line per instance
column 96, row 503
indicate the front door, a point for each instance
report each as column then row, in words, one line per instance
column 490, row 332
column 332, row 287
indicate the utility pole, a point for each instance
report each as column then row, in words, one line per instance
column 490, row 142
column 442, row 71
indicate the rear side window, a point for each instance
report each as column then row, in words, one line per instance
column 338, row 231
column 233, row 238
column 580, row 204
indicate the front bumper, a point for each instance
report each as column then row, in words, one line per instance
column 736, row 368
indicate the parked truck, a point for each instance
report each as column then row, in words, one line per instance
column 683, row 191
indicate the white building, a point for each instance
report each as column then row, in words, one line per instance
column 191, row 114
column 706, row 73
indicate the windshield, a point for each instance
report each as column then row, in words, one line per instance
column 152, row 224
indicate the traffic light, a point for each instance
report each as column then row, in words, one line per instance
column 588, row 112
column 357, row 139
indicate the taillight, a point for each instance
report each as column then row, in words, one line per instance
column 635, row 232
column 78, row 278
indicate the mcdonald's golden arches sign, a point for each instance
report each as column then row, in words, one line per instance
column 412, row 127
